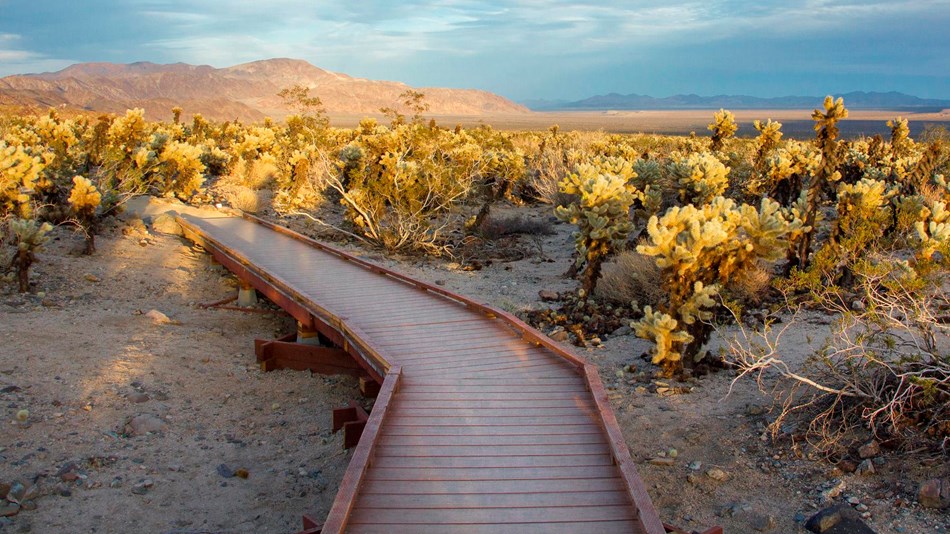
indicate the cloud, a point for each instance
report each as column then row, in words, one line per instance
column 522, row 48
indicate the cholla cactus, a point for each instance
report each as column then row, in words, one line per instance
column 602, row 212
column 702, row 177
column 663, row 330
column 181, row 169
column 19, row 172
column 933, row 233
column 770, row 133
column 723, row 127
column 28, row 236
column 901, row 143
column 699, row 250
column 84, row 199
column 825, row 176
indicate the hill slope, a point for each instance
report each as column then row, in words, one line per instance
column 247, row 92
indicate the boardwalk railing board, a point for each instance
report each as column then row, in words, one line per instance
column 374, row 356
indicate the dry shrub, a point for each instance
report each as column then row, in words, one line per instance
column 630, row 277
column 243, row 198
column 752, row 285
column 493, row 227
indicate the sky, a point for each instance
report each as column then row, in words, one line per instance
column 523, row 50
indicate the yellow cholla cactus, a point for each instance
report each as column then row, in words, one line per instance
column 700, row 249
column 901, row 144
column 934, row 232
column 834, row 111
column 702, row 177
column 661, row 328
column 723, row 127
column 84, row 197
column 19, row 172
column 181, row 169
column 601, row 212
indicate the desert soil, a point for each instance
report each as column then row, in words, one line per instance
column 133, row 424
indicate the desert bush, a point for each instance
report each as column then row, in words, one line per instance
column 698, row 251
column 604, row 194
column 630, row 279
column 883, row 368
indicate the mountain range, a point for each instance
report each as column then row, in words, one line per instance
column 854, row 100
column 247, row 92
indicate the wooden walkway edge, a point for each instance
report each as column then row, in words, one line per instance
column 483, row 424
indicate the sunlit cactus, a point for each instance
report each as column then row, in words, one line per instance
column 28, row 237
column 702, row 177
column 901, row 143
column 701, row 249
column 722, row 127
column 604, row 196
column 84, row 200
column 19, row 172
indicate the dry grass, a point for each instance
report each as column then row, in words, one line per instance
column 752, row 285
column 630, row 278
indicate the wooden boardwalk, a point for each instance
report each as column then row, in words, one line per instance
column 482, row 423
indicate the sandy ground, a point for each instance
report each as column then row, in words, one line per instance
column 82, row 356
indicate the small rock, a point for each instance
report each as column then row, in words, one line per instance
column 824, row 520
column 242, row 473
column 225, row 471
column 663, row 461
column 547, row 295
column 9, row 509
column 865, row 468
column 838, row 520
column 832, row 492
column 692, row 479
column 140, row 488
column 158, row 317
column 853, row 500
column 138, row 397
column 624, row 330
column 763, row 523
column 116, row 482
column 869, row 449
column 143, row 424
column 22, row 415
column 935, row 493
column 4, row 488
column 166, row 224
column 858, row 306
column 716, row 474
column 847, row 466
column 559, row 334
column 695, row 465
column 28, row 506
column 16, row 492
column 861, row 507
column 92, row 278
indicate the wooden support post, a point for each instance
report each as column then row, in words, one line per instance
column 369, row 387
column 311, row 526
column 284, row 353
column 307, row 335
column 352, row 420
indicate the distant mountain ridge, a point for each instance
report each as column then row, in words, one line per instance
column 247, row 92
column 853, row 100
